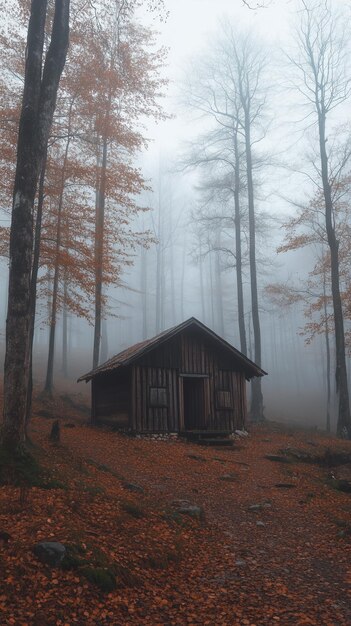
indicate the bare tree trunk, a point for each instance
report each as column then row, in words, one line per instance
column 101, row 191
column 203, row 310
column 344, row 419
column 143, row 291
column 291, row 340
column 159, row 261
column 49, row 381
column 99, row 247
column 256, row 397
column 211, row 291
column 38, row 105
column 158, row 287
column 273, row 342
column 65, row 328
column 173, row 297
column 104, row 341
column 162, row 291
column 327, row 348
column 251, row 356
column 33, row 284
column 182, row 282
column 219, row 288
column 170, row 256
column 238, row 252
column 6, row 287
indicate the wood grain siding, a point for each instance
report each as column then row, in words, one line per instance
column 174, row 414
column 200, row 357
column 148, row 415
column 167, row 356
column 181, row 404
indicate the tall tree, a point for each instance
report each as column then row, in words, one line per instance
column 219, row 153
column 127, row 88
column 321, row 61
column 250, row 65
column 38, row 106
column 307, row 228
column 58, row 242
column 231, row 92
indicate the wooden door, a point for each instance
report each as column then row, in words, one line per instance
column 194, row 403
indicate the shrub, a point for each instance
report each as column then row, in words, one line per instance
column 101, row 577
column 133, row 509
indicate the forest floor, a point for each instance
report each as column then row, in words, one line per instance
column 271, row 547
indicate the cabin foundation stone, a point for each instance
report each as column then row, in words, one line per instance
column 158, row 436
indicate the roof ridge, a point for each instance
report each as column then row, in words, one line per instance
column 137, row 349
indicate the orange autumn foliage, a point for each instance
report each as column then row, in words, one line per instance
column 307, row 228
column 108, row 89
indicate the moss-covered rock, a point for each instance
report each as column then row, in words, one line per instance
column 74, row 557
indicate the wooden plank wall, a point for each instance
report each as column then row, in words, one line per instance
column 167, row 355
column 198, row 356
column 149, row 418
column 188, row 353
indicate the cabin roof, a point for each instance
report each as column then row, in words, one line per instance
column 133, row 353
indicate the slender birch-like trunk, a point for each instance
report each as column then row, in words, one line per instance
column 38, row 105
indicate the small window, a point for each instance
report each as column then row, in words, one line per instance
column 224, row 400
column 158, row 396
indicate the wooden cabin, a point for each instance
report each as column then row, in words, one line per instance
column 185, row 379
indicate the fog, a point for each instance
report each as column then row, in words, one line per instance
column 185, row 271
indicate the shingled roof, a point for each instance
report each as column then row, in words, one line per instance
column 128, row 356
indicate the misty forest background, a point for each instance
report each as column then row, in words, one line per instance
column 139, row 230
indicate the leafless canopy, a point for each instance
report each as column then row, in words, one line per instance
column 257, row 5
column 322, row 41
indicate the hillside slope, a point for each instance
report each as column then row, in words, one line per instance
column 269, row 544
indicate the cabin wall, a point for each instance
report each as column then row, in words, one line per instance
column 158, row 387
column 150, row 415
column 225, row 383
column 167, row 355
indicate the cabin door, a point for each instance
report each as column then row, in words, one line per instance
column 194, row 402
